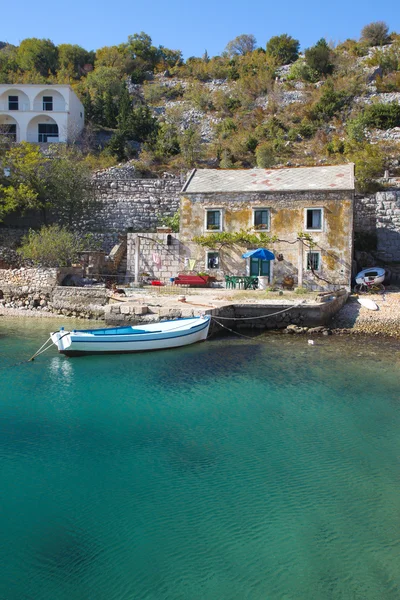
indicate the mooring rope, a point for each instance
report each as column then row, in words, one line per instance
column 260, row 317
column 247, row 337
column 43, row 349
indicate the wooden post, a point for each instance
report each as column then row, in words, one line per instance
column 137, row 254
column 300, row 265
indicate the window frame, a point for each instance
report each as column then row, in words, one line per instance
column 305, row 218
column 221, row 216
column 208, row 252
column 13, row 102
column 308, row 269
column 46, row 101
column 268, row 211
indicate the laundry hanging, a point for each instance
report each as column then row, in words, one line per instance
column 157, row 260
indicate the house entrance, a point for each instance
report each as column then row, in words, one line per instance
column 259, row 268
column 47, row 132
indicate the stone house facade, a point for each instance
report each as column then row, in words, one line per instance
column 281, row 203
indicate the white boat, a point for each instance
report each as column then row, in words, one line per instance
column 368, row 303
column 155, row 336
column 373, row 275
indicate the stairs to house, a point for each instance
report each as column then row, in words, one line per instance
column 117, row 260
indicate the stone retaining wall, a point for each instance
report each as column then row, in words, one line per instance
column 133, row 204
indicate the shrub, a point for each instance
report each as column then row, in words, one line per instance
column 300, row 70
column 283, row 48
column 375, row 34
column 382, row 116
column 172, row 222
column 319, row 58
column 265, row 155
column 52, row 246
column 387, row 60
column 369, row 163
column 330, row 103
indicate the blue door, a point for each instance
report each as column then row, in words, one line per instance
column 259, row 267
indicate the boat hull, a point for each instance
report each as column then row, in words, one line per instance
column 79, row 343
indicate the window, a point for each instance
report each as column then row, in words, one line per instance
column 313, row 261
column 213, row 220
column 314, row 219
column 47, row 102
column 212, row 260
column 12, row 102
column 261, row 219
column 47, row 131
column 81, row 115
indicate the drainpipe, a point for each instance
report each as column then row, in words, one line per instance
column 300, row 265
column 137, row 252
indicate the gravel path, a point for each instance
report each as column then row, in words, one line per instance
column 357, row 319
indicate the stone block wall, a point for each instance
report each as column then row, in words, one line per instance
column 133, row 204
column 380, row 213
column 158, row 259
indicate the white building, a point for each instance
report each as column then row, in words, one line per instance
column 40, row 113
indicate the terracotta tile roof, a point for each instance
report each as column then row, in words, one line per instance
column 339, row 177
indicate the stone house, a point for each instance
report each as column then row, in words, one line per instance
column 280, row 203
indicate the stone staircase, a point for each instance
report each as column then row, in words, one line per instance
column 117, row 259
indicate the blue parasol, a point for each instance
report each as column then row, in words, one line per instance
column 261, row 253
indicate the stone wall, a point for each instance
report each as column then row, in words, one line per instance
column 32, row 279
column 133, row 204
column 380, row 213
column 157, row 258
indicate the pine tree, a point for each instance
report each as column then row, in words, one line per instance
column 125, row 114
column 98, row 110
column 110, row 111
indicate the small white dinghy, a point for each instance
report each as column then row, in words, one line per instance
column 368, row 303
column 155, row 336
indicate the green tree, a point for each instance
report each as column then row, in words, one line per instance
column 283, row 48
column 117, row 146
column 265, row 155
column 330, row 103
column 319, row 58
column 37, row 55
column 27, row 186
column 369, row 163
column 375, row 34
column 125, row 116
column 111, row 56
column 52, row 246
column 73, row 58
column 59, row 185
column 110, row 111
column 189, row 142
column 242, row 44
column 71, row 193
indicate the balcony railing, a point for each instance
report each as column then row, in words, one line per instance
column 33, row 138
column 40, row 106
column 5, row 107
column 37, row 107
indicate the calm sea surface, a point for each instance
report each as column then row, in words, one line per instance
column 230, row 470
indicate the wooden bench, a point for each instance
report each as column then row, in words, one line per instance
column 193, row 280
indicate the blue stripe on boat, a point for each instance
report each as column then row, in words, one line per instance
column 166, row 337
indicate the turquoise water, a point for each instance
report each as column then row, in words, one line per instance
column 231, row 470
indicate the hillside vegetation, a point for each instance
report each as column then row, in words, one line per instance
column 250, row 106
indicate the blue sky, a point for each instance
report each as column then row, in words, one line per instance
column 191, row 26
